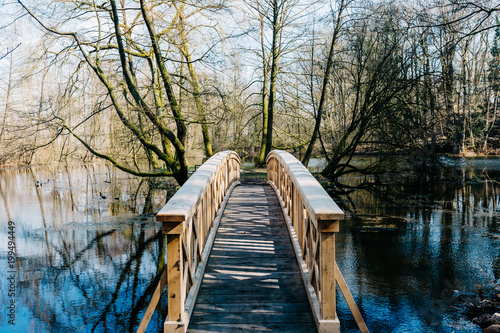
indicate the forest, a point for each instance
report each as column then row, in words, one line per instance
column 150, row 85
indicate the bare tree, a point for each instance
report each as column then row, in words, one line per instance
column 148, row 70
column 273, row 17
column 326, row 79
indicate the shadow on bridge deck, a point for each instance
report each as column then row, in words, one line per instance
column 252, row 281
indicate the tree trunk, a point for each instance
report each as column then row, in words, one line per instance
column 326, row 78
column 261, row 159
column 194, row 84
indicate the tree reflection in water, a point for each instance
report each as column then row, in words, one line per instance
column 85, row 263
column 413, row 255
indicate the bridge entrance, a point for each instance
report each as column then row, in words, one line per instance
column 251, row 257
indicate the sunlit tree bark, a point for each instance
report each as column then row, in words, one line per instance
column 147, row 64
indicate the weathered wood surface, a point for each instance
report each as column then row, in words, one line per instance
column 316, row 200
column 312, row 219
column 252, row 281
column 190, row 219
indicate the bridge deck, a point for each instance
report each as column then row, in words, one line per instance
column 252, row 281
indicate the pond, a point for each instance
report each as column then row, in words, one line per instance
column 413, row 261
column 88, row 250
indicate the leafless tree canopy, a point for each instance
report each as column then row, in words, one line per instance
column 149, row 85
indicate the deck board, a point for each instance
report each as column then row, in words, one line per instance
column 252, row 281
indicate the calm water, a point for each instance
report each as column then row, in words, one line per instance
column 411, row 263
column 85, row 262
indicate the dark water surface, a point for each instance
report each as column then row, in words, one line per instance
column 413, row 262
column 85, row 253
column 85, row 262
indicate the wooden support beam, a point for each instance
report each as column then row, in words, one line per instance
column 327, row 275
column 153, row 302
column 350, row 300
column 175, row 322
column 313, row 219
column 173, row 228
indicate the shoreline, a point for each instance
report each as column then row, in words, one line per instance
column 484, row 309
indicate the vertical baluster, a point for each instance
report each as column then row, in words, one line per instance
column 237, row 170
column 276, row 173
column 327, row 229
column 219, row 186
column 278, row 177
column 203, row 220
column 301, row 224
column 276, row 167
column 295, row 209
column 231, row 170
column 269, row 170
column 285, row 178
column 225, row 178
column 234, row 168
column 175, row 267
column 289, row 193
column 222, row 185
column 281, row 180
column 211, row 206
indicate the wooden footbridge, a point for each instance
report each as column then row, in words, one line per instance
column 255, row 258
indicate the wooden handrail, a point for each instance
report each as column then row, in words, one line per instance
column 190, row 219
column 313, row 219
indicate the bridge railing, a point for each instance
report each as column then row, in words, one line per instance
column 190, row 219
column 313, row 219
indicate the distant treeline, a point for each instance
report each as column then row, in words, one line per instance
column 158, row 82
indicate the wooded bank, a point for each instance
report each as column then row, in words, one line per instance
column 148, row 85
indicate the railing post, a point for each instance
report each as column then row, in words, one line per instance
column 175, row 269
column 187, row 220
column 313, row 219
column 327, row 230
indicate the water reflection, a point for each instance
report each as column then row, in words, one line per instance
column 412, row 261
column 88, row 248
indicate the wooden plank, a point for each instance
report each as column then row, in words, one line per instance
column 252, row 328
column 245, row 231
column 224, row 259
column 252, row 276
column 289, row 318
column 231, row 264
column 350, row 300
column 243, row 239
column 187, row 198
column 261, row 298
column 153, row 302
column 244, row 286
column 174, row 228
column 255, row 307
column 249, row 275
column 251, row 249
column 320, row 205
